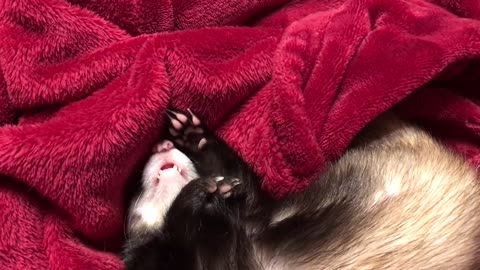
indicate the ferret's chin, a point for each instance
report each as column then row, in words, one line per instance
column 165, row 174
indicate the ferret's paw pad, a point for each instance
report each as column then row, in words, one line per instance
column 222, row 186
column 226, row 186
column 186, row 129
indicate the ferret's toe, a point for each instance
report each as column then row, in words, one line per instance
column 193, row 118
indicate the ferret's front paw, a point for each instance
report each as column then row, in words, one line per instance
column 186, row 130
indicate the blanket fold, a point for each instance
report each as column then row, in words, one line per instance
column 84, row 86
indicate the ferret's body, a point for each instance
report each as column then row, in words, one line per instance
column 396, row 199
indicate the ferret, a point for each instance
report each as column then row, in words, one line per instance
column 396, row 199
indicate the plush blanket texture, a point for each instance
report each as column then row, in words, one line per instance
column 84, row 85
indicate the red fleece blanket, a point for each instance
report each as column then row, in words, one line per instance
column 84, row 85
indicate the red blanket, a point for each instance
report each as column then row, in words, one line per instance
column 84, row 85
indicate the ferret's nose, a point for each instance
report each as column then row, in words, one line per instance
column 163, row 147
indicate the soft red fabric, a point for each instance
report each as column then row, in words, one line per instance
column 84, row 85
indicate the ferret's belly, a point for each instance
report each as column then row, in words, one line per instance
column 420, row 212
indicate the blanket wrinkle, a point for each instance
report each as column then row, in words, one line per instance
column 84, row 85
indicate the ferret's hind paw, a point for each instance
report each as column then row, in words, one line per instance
column 226, row 185
column 206, row 193
column 186, row 130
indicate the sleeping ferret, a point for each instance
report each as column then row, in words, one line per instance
column 396, row 199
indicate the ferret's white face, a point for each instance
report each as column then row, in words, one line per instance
column 167, row 171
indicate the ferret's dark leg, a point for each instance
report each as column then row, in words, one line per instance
column 210, row 154
column 202, row 221
column 161, row 253
column 213, row 157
